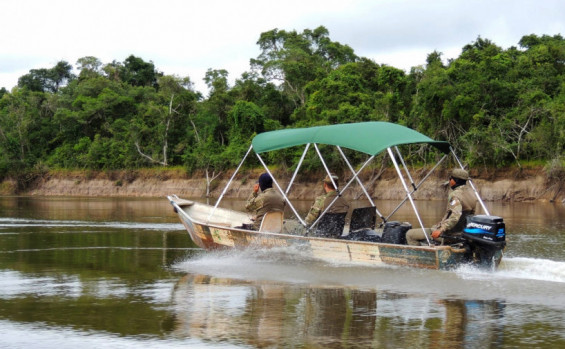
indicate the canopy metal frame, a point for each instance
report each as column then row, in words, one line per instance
column 393, row 153
column 355, row 176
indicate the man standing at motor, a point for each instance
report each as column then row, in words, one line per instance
column 461, row 202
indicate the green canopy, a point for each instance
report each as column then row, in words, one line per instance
column 367, row 137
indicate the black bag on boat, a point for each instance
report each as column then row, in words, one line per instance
column 362, row 223
column 363, row 235
column 395, row 232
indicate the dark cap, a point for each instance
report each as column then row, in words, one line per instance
column 265, row 181
column 460, row 173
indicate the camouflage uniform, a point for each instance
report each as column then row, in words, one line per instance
column 259, row 204
column 461, row 203
column 323, row 201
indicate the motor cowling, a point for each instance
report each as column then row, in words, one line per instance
column 486, row 235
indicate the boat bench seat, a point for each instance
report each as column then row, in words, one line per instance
column 331, row 225
column 363, row 218
column 272, row 222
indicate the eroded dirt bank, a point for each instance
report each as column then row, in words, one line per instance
column 501, row 185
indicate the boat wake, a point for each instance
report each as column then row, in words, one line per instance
column 518, row 280
column 250, row 264
column 291, row 256
column 293, row 265
column 520, row 268
column 23, row 223
column 533, row 269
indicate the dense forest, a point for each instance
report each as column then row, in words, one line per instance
column 498, row 107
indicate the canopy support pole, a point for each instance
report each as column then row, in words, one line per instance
column 405, row 168
column 417, row 186
column 280, row 189
column 407, row 192
column 359, row 181
column 344, row 187
column 470, row 182
column 326, row 168
column 229, row 183
column 297, row 167
column 357, row 178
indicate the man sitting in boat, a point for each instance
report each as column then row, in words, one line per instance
column 323, row 201
column 461, row 203
column 268, row 200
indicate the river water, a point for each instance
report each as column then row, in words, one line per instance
column 122, row 273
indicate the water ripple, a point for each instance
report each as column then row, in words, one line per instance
column 22, row 222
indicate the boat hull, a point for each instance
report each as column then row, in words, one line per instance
column 219, row 235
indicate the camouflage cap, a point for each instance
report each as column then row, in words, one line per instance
column 460, row 173
column 329, row 181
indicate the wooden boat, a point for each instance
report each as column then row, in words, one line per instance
column 213, row 227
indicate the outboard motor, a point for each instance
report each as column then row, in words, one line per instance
column 486, row 235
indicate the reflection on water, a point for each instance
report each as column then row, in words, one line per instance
column 88, row 209
column 94, row 272
column 265, row 314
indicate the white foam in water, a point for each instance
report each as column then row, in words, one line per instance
column 519, row 268
column 248, row 256
column 532, row 269
column 225, row 259
column 277, row 260
column 253, row 264
column 518, row 280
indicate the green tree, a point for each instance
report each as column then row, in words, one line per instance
column 89, row 107
column 247, row 119
column 342, row 96
column 218, row 104
column 25, row 133
column 47, row 80
column 136, row 72
column 89, row 67
column 293, row 60
column 276, row 106
column 161, row 119
column 499, row 106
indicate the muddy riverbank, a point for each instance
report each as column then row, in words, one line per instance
column 495, row 185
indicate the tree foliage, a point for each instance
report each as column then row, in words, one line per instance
column 47, row 80
column 496, row 106
column 294, row 59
